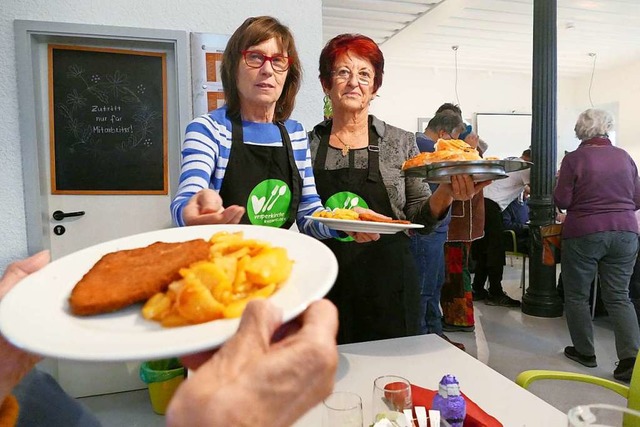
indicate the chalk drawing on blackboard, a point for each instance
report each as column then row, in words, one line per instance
column 108, row 123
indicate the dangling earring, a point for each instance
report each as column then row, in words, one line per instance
column 327, row 109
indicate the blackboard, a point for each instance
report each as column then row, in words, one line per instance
column 107, row 121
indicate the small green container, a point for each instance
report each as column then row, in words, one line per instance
column 163, row 378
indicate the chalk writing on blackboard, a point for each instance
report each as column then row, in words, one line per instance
column 108, row 121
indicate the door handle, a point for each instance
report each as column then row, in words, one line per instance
column 59, row 215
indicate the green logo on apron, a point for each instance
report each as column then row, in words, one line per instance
column 345, row 200
column 269, row 203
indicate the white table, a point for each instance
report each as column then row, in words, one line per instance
column 424, row 360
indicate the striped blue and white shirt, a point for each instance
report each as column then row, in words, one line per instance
column 205, row 155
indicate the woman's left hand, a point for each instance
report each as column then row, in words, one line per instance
column 363, row 237
column 360, row 237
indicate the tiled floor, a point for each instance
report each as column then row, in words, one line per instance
column 510, row 342
column 505, row 339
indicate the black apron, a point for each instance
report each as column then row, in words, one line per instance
column 377, row 291
column 249, row 165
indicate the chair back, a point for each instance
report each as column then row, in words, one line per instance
column 634, row 387
column 511, row 238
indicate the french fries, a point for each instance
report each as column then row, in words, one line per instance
column 338, row 214
column 238, row 270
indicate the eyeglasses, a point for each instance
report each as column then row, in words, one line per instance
column 256, row 59
column 364, row 77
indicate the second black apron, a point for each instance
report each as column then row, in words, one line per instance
column 258, row 177
column 377, row 291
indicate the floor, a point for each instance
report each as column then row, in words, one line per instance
column 510, row 342
column 504, row 338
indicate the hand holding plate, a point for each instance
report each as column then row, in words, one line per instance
column 361, row 237
column 278, row 381
column 15, row 362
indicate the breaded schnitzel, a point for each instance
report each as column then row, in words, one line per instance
column 378, row 218
column 126, row 277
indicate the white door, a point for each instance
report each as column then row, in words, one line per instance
column 105, row 218
column 95, row 218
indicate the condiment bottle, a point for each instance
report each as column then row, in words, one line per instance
column 450, row 402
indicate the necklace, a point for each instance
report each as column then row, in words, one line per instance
column 346, row 148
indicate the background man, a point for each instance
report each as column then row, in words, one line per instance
column 488, row 252
column 428, row 249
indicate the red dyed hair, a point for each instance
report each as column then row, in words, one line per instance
column 356, row 44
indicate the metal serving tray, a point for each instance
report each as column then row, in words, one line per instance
column 482, row 170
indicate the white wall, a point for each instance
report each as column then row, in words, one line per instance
column 617, row 89
column 304, row 17
column 409, row 93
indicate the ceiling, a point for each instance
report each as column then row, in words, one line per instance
column 490, row 35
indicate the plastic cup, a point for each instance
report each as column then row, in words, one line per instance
column 342, row 409
column 602, row 415
column 162, row 378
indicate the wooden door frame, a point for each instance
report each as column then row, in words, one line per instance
column 30, row 36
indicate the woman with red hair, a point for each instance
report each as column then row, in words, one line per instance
column 357, row 161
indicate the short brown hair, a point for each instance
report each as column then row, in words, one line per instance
column 447, row 121
column 254, row 31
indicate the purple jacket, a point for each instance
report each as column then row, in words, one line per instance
column 599, row 187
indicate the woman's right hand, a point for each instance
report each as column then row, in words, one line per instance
column 266, row 374
column 205, row 207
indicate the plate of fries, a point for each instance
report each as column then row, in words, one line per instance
column 360, row 226
column 35, row 314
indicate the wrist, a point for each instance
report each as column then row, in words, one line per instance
column 9, row 410
column 439, row 202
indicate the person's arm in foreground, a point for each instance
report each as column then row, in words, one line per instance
column 15, row 362
column 195, row 202
column 256, row 380
column 205, row 207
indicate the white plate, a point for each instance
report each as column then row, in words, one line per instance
column 364, row 226
column 35, row 314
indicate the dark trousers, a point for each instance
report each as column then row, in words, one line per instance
column 488, row 252
column 634, row 286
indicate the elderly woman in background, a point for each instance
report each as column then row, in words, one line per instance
column 357, row 161
column 599, row 187
column 249, row 153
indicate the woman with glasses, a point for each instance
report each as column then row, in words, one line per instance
column 249, row 154
column 357, row 157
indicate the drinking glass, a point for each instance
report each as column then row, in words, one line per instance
column 342, row 409
column 391, row 396
column 602, row 415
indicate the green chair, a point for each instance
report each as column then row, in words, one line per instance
column 510, row 237
column 631, row 392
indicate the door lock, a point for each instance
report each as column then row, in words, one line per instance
column 59, row 215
